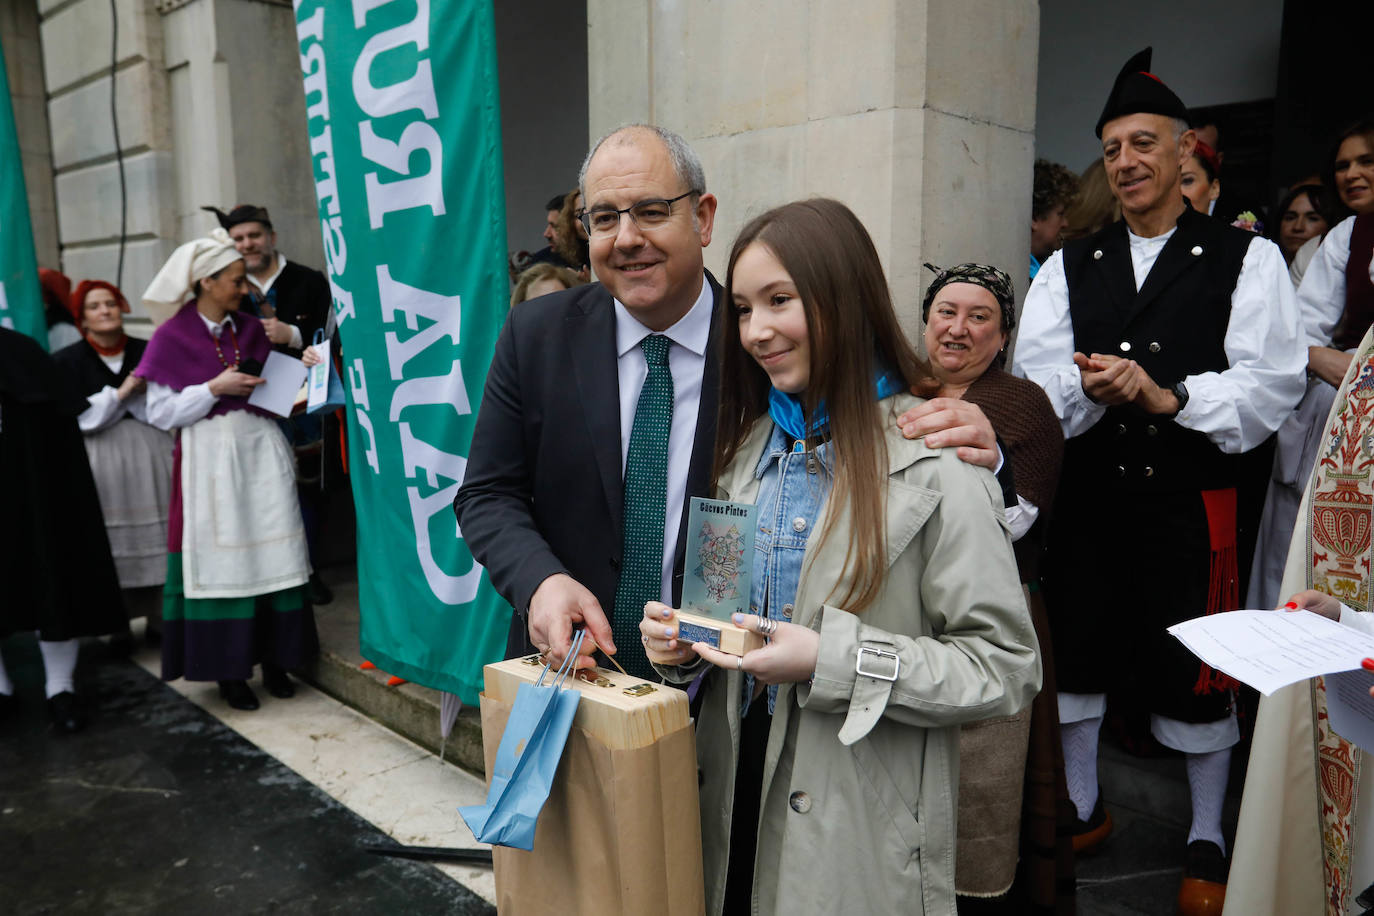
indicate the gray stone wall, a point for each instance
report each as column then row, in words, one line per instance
column 210, row 111
column 918, row 114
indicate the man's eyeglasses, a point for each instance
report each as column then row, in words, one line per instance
column 603, row 222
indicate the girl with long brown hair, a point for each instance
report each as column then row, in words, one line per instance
column 882, row 575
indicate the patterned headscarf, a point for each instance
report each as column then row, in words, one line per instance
column 990, row 278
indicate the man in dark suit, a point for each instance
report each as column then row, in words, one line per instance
column 544, row 499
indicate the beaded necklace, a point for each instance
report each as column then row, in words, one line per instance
column 229, row 325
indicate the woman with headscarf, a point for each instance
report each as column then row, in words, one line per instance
column 1011, row 768
column 130, row 460
column 237, row 555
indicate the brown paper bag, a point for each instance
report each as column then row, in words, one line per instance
column 620, row 833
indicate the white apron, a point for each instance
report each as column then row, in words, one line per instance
column 242, row 532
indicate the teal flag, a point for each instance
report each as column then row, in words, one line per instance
column 405, row 138
column 21, row 302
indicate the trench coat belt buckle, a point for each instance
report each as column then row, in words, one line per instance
column 876, row 669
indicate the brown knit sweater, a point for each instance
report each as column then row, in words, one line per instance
column 1024, row 420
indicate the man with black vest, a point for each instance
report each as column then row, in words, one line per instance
column 1169, row 343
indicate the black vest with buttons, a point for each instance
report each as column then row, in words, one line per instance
column 1174, row 327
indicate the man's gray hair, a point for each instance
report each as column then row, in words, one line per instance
column 684, row 159
column 1180, row 128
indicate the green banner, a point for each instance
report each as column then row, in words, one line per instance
column 405, row 138
column 21, row 302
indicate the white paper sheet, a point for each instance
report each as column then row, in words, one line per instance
column 1350, row 706
column 284, row 377
column 1272, row 649
column 319, row 377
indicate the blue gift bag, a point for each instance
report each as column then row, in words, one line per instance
column 326, row 377
column 527, row 759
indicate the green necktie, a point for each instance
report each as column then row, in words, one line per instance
column 646, row 491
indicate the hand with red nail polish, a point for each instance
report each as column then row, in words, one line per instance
column 1316, row 602
column 1367, row 664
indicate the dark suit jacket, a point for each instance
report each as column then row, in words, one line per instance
column 300, row 296
column 542, row 493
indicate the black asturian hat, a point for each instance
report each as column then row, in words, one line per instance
column 1138, row 91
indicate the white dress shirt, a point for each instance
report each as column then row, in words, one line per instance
column 1236, row 408
column 1321, row 296
column 172, row 409
column 687, row 362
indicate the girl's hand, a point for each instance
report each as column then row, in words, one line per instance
column 1316, row 602
column 311, row 357
column 790, row 656
column 658, row 632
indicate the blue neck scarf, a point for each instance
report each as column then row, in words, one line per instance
column 786, row 409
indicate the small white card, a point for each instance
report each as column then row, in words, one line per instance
column 319, row 378
column 283, row 377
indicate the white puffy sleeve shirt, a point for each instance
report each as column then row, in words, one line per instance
column 1237, row 408
column 1321, row 295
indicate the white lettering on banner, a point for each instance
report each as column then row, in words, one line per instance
column 417, row 456
column 424, row 190
column 343, row 299
column 357, row 382
column 445, row 313
column 432, row 389
column 416, row 91
column 335, row 248
column 312, row 69
column 6, row 320
column 326, row 188
column 310, row 36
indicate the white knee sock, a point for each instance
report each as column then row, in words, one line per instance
column 6, row 688
column 1207, row 777
column 59, row 664
column 1080, row 763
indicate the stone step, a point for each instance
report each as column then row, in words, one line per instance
column 409, row 709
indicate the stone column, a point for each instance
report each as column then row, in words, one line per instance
column 210, row 111
column 919, row 114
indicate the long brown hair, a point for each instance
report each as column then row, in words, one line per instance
column 853, row 332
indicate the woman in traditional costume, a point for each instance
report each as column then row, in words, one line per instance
column 236, row 545
column 130, row 459
column 1336, row 304
column 1014, row 808
column 883, row 576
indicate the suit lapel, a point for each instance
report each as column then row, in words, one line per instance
column 1176, row 257
column 704, row 439
column 591, row 350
